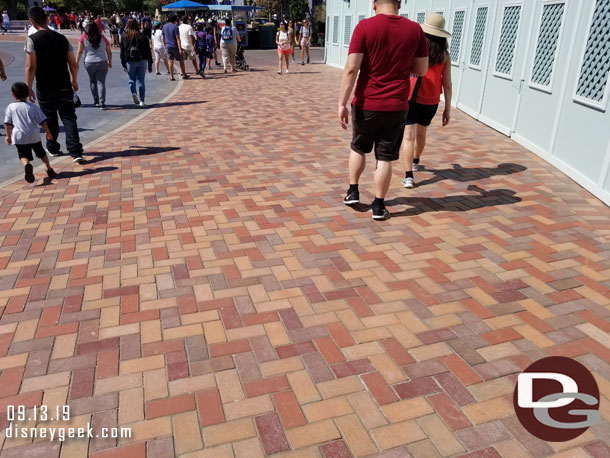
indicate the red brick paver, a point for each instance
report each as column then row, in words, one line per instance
column 201, row 283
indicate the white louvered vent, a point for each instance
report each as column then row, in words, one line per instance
column 421, row 17
column 478, row 38
column 361, row 17
column 508, row 40
column 347, row 33
column 456, row 35
column 548, row 40
column 595, row 70
column 335, row 30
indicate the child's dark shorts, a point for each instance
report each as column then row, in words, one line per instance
column 25, row 151
column 421, row 114
column 382, row 130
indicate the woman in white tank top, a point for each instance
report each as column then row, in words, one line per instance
column 284, row 49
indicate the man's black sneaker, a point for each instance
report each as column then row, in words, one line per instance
column 380, row 213
column 51, row 173
column 29, row 173
column 57, row 154
column 352, row 198
column 78, row 159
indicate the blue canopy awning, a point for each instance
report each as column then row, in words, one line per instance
column 232, row 8
column 182, row 5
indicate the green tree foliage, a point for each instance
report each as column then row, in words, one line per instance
column 298, row 9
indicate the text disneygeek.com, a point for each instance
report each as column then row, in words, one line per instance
column 40, row 414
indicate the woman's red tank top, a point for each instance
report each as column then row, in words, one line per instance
column 431, row 85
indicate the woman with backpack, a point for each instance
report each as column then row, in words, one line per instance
column 305, row 40
column 284, row 48
column 426, row 95
column 135, row 55
column 98, row 59
column 229, row 37
column 211, row 42
column 201, row 48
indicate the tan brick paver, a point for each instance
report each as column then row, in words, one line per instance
column 200, row 281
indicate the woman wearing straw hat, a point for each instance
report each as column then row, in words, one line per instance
column 426, row 95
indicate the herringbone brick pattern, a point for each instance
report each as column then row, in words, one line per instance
column 200, row 281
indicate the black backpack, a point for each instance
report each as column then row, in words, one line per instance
column 134, row 53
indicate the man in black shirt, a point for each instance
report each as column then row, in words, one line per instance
column 48, row 56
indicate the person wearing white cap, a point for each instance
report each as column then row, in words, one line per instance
column 426, row 95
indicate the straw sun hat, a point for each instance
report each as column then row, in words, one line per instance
column 435, row 25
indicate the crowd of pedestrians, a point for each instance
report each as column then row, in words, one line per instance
column 399, row 70
column 52, row 68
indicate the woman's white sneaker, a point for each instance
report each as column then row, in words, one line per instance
column 408, row 183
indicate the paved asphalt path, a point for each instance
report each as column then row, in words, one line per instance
column 92, row 122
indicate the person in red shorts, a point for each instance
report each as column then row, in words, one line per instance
column 384, row 51
column 284, row 49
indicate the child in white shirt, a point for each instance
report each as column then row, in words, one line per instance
column 22, row 122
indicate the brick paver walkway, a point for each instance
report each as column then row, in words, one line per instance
column 200, row 281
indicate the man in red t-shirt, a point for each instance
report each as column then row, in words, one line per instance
column 386, row 49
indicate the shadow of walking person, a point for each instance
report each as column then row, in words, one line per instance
column 94, row 157
column 461, row 174
column 462, row 203
column 66, row 174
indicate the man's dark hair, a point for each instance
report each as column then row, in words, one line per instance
column 37, row 15
column 20, row 90
column 173, row 18
column 395, row 2
column 185, row 19
column 228, row 22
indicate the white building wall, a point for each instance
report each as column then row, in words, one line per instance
column 535, row 70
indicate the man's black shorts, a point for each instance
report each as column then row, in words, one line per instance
column 421, row 114
column 25, row 151
column 174, row 54
column 382, row 129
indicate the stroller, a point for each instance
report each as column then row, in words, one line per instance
column 240, row 59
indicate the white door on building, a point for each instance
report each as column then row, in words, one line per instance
column 550, row 51
column 478, row 43
column 457, row 23
column 506, row 70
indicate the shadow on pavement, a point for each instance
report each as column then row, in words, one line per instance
column 461, row 174
column 94, row 157
column 133, row 106
column 66, row 174
column 493, row 198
